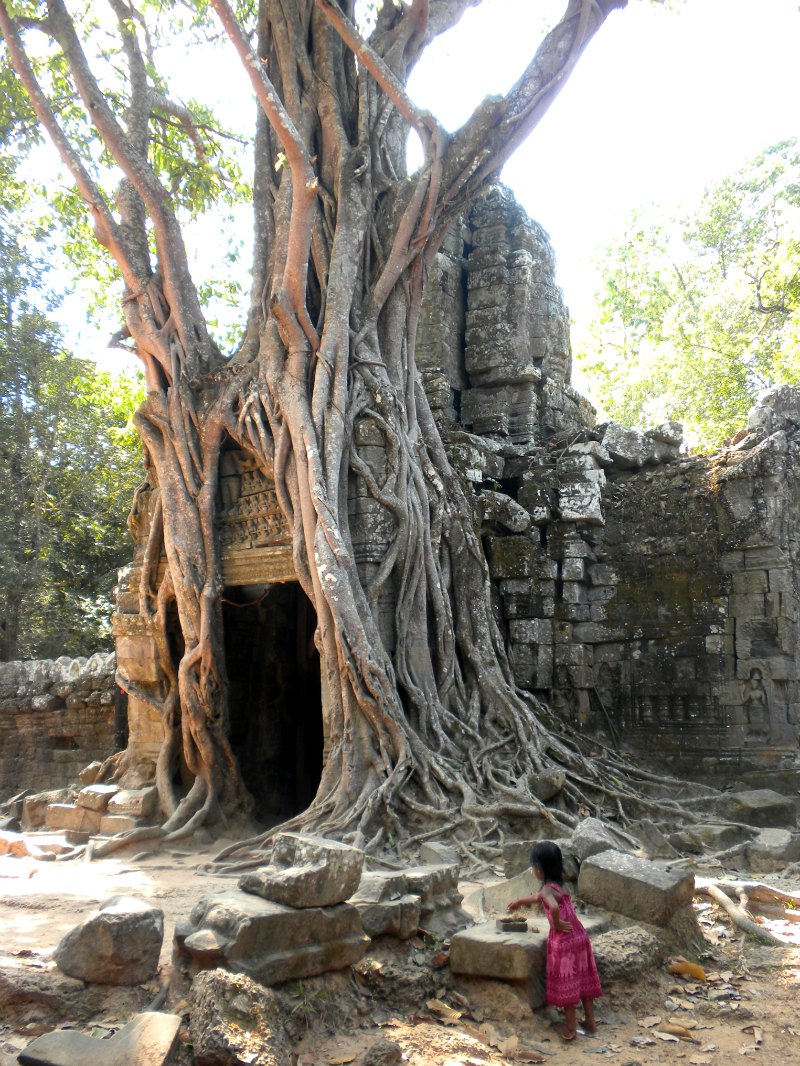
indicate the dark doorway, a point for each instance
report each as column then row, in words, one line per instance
column 275, row 704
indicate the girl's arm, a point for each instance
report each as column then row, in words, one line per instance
column 524, row 901
column 551, row 900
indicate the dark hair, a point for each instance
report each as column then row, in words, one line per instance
column 547, row 856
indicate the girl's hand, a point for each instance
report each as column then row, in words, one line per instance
column 515, row 904
column 563, row 927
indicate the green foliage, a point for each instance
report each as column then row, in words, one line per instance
column 69, row 462
column 701, row 312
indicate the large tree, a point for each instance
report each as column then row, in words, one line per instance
column 433, row 733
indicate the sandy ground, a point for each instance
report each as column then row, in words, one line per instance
column 748, row 1007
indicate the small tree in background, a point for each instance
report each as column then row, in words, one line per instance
column 701, row 312
column 69, row 462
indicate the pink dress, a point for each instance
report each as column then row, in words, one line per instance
column 571, row 970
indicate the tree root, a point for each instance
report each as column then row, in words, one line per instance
column 737, row 914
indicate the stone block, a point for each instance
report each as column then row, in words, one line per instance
column 89, row 774
column 96, row 797
column 629, row 448
column 235, row 1021
column 34, row 808
column 111, row 824
column 486, row 951
column 307, row 871
column 759, row 807
column 531, row 631
column 272, row 943
column 70, row 816
column 589, row 837
column 399, row 918
column 581, row 500
column 512, row 556
column 117, row 945
column 626, row 954
column 146, row 1040
column 139, row 802
column 773, row 849
column 634, row 887
column 437, row 852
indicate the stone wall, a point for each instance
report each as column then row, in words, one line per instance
column 649, row 596
column 56, row 716
column 654, row 598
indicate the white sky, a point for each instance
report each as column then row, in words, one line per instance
column 662, row 103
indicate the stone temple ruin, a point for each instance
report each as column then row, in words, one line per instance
column 646, row 594
column 649, row 596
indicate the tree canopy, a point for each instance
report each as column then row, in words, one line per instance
column 69, row 462
column 701, row 311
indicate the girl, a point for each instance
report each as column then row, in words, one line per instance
column 571, row 975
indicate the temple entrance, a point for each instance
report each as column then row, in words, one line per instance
column 275, row 701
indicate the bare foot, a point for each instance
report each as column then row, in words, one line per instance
column 590, row 1027
column 565, row 1033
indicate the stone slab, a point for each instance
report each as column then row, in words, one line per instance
column 96, row 797
column 759, row 807
column 147, row 1040
column 486, row 951
column 273, row 943
column 307, row 871
column 139, row 802
column 634, row 887
column 70, row 816
column 396, row 917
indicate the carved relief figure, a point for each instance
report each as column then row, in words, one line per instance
column 756, row 706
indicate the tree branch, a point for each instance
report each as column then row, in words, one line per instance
column 106, row 228
column 422, row 121
column 304, row 188
column 500, row 124
column 198, row 353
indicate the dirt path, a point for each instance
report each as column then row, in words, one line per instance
column 747, row 1009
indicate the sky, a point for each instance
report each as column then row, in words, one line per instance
column 662, row 103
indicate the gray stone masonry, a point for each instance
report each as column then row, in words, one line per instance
column 272, row 943
column 55, row 717
column 307, row 871
column 634, row 887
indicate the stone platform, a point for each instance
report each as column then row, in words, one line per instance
column 486, row 951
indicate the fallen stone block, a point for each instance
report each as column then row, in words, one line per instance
column 89, row 774
column 13, row 844
column 307, row 871
column 589, row 837
column 759, row 807
column 773, row 849
column 147, row 1040
column 273, row 943
column 714, row 835
column 117, row 945
column 139, row 803
column 395, row 917
column 436, row 852
column 654, row 843
column 96, row 797
column 626, row 954
column 437, row 887
column 629, row 448
column 34, row 807
column 111, row 824
column 486, row 951
column 635, row 887
column 236, row 1022
column 70, row 816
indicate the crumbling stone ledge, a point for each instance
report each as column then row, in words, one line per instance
column 56, row 716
